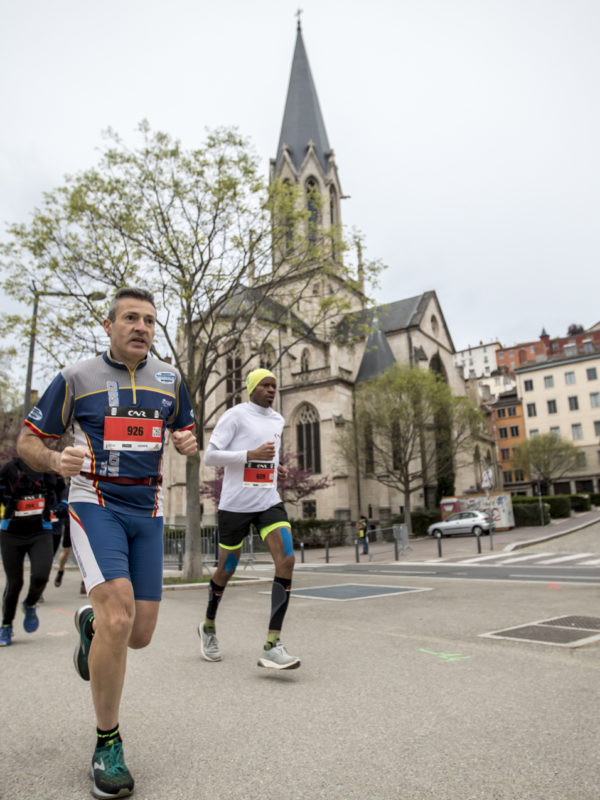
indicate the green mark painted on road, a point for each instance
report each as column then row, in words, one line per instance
column 444, row 656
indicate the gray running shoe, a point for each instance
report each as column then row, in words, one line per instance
column 209, row 645
column 278, row 658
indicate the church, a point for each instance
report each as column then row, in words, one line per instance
column 317, row 375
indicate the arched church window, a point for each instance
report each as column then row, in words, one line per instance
column 332, row 206
column 305, row 360
column 267, row 356
column 308, row 439
column 288, row 217
column 233, row 381
column 435, row 325
column 312, row 205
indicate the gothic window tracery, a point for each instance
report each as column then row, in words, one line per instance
column 308, row 438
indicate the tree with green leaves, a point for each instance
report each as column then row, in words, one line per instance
column 545, row 458
column 409, row 429
column 226, row 257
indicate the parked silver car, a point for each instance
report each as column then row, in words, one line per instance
column 476, row 522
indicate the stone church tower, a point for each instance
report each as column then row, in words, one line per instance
column 317, row 374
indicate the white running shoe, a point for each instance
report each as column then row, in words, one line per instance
column 278, row 658
column 209, row 645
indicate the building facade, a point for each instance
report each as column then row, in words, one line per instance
column 317, row 375
column 562, row 396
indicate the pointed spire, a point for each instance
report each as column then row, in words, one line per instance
column 302, row 118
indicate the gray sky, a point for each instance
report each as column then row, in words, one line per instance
column 466, row 132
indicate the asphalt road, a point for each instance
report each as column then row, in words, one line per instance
column 399, row 696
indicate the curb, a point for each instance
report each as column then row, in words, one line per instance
column 528, row 542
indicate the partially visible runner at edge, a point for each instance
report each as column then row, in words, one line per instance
column 246, row 442
column 118, row 406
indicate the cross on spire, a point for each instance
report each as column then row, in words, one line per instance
column 299, row 16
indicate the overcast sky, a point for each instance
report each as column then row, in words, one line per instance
column 466, row 132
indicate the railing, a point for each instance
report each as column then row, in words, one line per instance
column 253, row 548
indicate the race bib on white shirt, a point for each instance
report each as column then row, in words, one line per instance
column 259, row 474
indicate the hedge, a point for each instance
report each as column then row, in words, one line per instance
column 528, row 514
column 560, row 504
column 421, row 519
column 581, row 502
column 595, row 498
column 316, row 532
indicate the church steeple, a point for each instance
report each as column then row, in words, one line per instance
column 302, row 119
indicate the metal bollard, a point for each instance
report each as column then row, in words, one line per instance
column 302, row 552
column 438, row 536
column 327, row 551
column 478, row 541
column 396, row 554
column 180, row 556
column 356, row 550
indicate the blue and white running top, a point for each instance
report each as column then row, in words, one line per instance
column 121, row 415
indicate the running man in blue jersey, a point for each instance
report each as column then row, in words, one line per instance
column 118, row 407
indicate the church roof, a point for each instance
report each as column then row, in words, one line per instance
column 390, row 317
column 376, row 359
column 302, row 118
column 249, row 300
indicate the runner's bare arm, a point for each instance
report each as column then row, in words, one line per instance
column 33, row 451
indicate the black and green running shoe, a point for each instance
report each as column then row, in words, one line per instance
column 80, row 656
column 109, row 773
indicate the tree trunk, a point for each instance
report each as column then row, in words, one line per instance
column 407, row 514
column 192, row 566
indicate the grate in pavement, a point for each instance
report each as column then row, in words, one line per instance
column 588, row 623
column 567, row 631
column 353, row 591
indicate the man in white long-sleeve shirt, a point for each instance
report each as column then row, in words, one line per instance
column 246, row 442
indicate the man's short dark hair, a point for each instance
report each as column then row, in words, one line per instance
column 129, row 291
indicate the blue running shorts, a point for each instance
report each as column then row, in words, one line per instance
column 109, row 544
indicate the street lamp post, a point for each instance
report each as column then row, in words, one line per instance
column 33, row 332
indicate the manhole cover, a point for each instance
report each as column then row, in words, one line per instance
column 567, row 631
column 353, row 591
column 587, row 623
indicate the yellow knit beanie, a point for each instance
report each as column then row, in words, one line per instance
column 255, row 377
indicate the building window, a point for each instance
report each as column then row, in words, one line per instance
column 501, row 412
column 514, row 430
column 312, row 206
column 569, row 377
column 528, row 386
column 531, row 410
column 503, row 432
column 512, row 411
column 597, row 427
column 507, row 476
column 577, row 431
column 267, row 356
column 548, row 381
column 504, row 453
column 552, row 406
column 555, row 431
column 595, row 399
column 308, row 439
column 592, row 374
column 519, row 475
column 573, row 403
column 309, row 509
column 580, row 459
column 534, row 432
column 233, row 382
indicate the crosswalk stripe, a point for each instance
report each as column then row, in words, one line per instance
column 562, row 559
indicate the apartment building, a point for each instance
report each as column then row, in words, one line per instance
column 475, row 362
column 509, row 426
column 561, row 395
